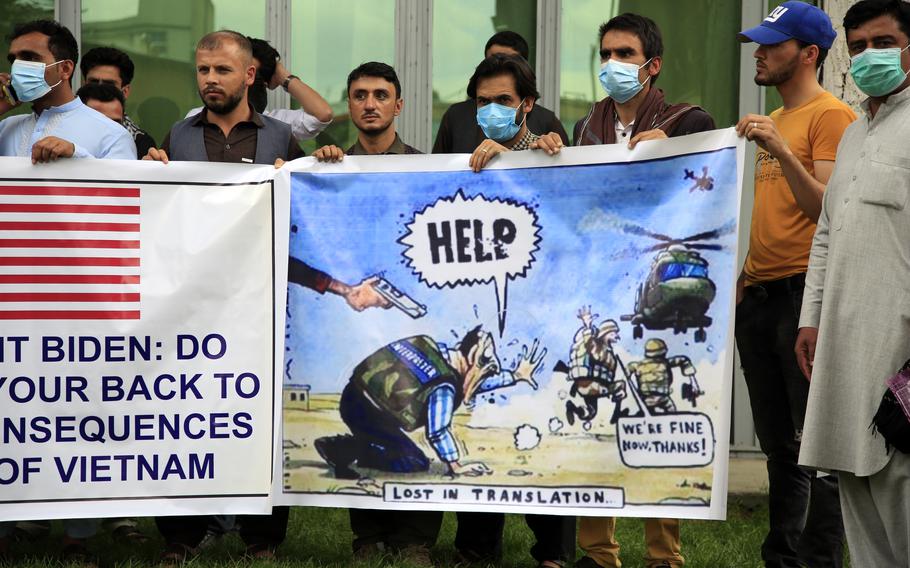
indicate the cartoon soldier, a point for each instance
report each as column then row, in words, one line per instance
column 654, row 375
column 593, row 367
column 417, row 383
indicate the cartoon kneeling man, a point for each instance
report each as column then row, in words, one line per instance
column 412, row 383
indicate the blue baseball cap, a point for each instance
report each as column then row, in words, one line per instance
column 793, row 20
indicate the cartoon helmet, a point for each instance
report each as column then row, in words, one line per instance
column 655, row 348
column 606, row 327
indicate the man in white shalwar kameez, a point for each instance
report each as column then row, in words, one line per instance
column 855, row 322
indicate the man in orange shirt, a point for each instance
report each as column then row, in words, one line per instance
column 797, row 146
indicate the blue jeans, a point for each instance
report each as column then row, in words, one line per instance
column 805, row 517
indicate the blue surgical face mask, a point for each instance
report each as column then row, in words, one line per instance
column 498, row 121
column 620, row 80
column 878, row 72
column 28, row 79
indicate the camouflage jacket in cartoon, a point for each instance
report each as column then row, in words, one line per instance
column 400, row 377
column 655, row 375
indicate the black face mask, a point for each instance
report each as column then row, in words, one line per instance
column 259, row 95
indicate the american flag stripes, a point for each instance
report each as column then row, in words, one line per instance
column 69, row 252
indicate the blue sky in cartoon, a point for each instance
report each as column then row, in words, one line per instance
column 348, row 225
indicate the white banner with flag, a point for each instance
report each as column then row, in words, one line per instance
column 137, row 346
column 558, row 338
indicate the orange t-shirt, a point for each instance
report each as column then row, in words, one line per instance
column 781, row 234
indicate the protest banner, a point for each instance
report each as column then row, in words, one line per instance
column 137, row 345
column 550, row 335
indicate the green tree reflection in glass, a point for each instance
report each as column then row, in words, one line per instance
column 460, row 32
column 700, row 62
column 160, row 36
column 329, row 40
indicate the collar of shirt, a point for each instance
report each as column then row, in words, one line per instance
column 446, row 353
column 72, row 105
column 203, row 118
column 623, row 132
column 357, row 149
column 891, row 103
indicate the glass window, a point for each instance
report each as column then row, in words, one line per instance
column 674, row 270
column 14, row 12
column 460, row 32
column 701, row 54
column 329, row 40
column 160, row 36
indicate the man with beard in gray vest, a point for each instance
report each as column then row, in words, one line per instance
column 227, row 130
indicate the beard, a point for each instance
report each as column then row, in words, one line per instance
column 782, row 75
column 226, row 105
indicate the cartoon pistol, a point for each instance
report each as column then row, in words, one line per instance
column 398, row 298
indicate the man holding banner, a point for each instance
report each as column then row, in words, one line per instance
column 61, row 126
column 504, row 89
column 228, row 130
column 797, row 146
column 631, row 53
column 374, row 100
column 43, row 55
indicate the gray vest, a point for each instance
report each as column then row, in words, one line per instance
column 188, row 144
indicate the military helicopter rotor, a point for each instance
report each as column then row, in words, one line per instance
column 667, row 241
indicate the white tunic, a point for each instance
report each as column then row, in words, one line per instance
column 858, row 290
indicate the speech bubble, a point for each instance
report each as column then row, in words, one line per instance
column 684, row 439
column 458, row 241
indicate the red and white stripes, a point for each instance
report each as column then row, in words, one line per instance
column 69, row 252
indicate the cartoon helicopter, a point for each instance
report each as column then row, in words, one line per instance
column 677, row 291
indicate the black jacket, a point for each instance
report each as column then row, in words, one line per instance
column 459, row 132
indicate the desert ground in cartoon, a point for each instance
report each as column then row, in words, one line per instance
column 594, row 458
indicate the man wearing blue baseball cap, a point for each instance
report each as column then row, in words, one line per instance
column 797, row 144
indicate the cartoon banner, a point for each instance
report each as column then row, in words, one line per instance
column 136, row 348
column 551, row 335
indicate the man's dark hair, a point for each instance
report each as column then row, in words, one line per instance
column 644, row 28
column 822, row 52
column 60, row 41
column 375, row 69
column 469, row 340
column 213, row 41
column 866, row 10
column 103, row 92
column 499, row 64
column 508, row 38
column 267, row 56
column 108, row 56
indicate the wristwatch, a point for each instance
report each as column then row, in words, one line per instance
column 284, row 85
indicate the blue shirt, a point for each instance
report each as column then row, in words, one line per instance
column 93, row 134
column 441, row 409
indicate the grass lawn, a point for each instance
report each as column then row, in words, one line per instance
column 320, row 538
